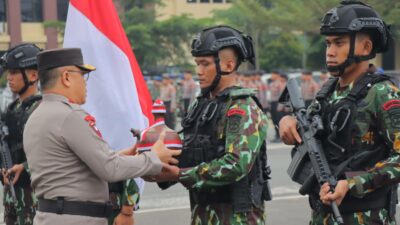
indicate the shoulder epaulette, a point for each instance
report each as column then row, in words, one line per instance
column 72, row 106
column 242, row 93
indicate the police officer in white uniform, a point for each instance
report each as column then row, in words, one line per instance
column 69, row 161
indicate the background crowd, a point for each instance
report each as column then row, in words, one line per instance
column 178, row 91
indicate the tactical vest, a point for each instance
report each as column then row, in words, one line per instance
column 343, row 155
column 204, row 141
column 15, row 119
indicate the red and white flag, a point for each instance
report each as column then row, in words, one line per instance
column 117, row 95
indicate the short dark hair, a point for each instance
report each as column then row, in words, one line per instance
column 236, row 53
column 276, row 71
column 306, row 72
column 48, row 78
column 284, row 76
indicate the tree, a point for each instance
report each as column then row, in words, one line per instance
column 176, row 35
column 306, row 15
column 155, row 42
column 245, row 15
column 280, row 51
column 138, row 23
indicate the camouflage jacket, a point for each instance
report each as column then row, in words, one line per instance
column 381, row 116
column 378, row 118
column 129, row 196
column 15, row 118
column 244, row 128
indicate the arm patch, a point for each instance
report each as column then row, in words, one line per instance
column 234, row 123
column 390, row 104
column 240, row 112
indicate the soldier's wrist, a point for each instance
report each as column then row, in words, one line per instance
column 356, row 188
column 127, row 210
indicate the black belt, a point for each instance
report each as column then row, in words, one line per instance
column 60, row 206
column 210, row 197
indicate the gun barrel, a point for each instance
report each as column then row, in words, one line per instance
column 336, row 213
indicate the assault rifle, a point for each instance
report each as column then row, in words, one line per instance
column 6, row 161
column 308, row 159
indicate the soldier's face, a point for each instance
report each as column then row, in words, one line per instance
column 337, row 49
column 206, row 70
column 15, row 80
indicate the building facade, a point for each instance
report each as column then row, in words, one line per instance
column 22, row 21
column 196, row 8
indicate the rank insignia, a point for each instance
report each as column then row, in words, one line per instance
column 92, row 123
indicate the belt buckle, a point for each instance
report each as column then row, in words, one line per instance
column 108, row 209
column 60, row 205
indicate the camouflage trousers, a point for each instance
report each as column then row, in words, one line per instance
column 21, row 212
column 372, row 217
column 222, row 214
column 116, row 208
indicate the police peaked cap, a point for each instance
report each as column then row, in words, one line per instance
column 54, row 58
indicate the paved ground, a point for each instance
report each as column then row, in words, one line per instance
column 171, row 207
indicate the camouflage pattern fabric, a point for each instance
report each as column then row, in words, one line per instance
column 372, row 217
column 23, row 211
column 244, row 128
column 130, row 196
column 378, row 116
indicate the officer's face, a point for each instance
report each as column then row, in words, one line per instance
column 206, row 70
column 15, row 80
column 76, row 78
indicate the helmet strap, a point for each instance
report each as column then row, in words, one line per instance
column 214, row 84
column 27, row 83
column 351, row 58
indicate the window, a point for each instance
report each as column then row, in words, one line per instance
column 2, row 10
column 191, row 1
column 217, row 1
column 62, row 9
column 31, row 10
column 3, row 14
column 204, row 1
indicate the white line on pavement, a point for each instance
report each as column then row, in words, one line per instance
column 187, row 207
column 277, row 146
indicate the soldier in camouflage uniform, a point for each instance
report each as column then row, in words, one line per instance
column 360, row 112
column 21, row 68
column 124, row 196
column 223, row 162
